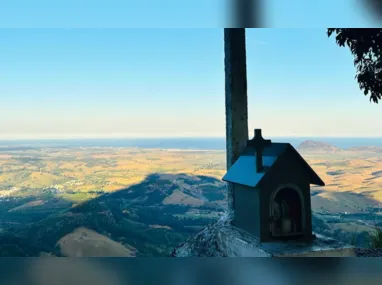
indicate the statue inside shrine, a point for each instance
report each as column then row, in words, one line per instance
column 283, row 222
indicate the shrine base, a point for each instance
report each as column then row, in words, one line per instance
column 236, row 243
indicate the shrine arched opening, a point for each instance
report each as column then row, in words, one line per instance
column 287, row 212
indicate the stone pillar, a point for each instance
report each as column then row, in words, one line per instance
column 236, row 109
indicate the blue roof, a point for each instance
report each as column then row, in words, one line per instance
column 243, row 171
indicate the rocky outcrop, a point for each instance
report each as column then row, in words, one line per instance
column 221, row 239
column 205, row 243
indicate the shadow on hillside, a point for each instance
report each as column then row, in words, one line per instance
column 160, row 185
column 156, row 185
column 21, row 211
column 153, row 216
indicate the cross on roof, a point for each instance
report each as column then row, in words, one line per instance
column 259, row 143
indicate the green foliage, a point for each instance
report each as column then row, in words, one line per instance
column 354, row 237
column 13, row 246
column 376, row 237
column 134, row 216
column 366, row 47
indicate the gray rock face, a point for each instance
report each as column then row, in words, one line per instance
column 205, row 243
column 221, row 239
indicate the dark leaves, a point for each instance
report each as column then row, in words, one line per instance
column 366, row 47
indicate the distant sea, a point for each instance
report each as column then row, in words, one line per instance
column 180, row 143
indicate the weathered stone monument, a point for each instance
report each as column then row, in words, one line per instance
column 269, row 209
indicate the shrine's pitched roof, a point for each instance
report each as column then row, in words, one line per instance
column 244, row 171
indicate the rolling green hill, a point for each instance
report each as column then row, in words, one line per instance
column 135, row 217
column 99, row 201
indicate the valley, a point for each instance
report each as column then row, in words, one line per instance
column 126, row 201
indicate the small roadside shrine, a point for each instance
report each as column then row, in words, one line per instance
column 272, row 191
column 268, row 186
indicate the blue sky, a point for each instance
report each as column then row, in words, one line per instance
column 170, row 82
column 175, row 13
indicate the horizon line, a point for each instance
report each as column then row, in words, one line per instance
column 179, row 137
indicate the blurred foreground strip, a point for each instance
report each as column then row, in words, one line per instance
column 240, row 271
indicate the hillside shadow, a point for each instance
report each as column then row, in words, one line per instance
column 156, row 185
column 152, row 216
column 164, row 183
column 17, row 215
column 21, row 211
